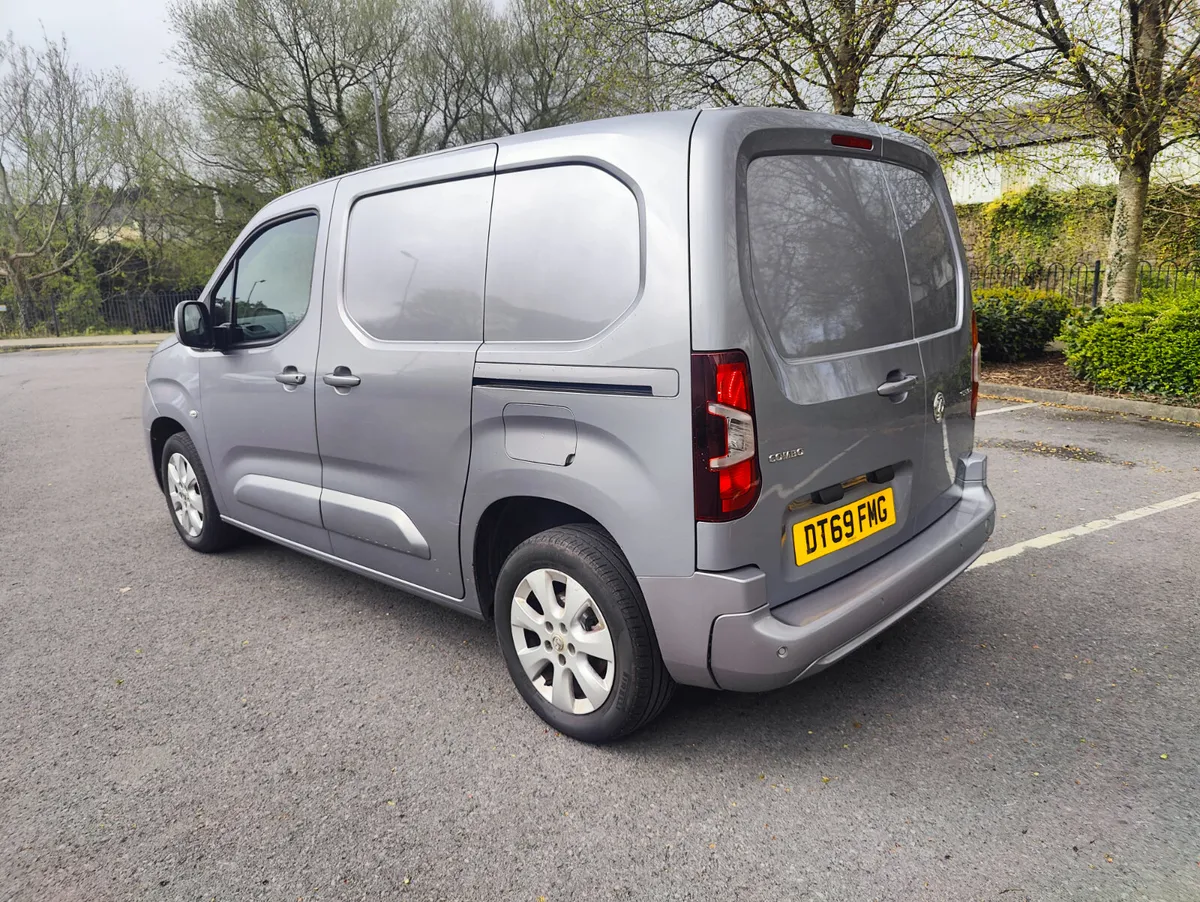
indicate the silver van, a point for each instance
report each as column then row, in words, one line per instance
column 685, row 397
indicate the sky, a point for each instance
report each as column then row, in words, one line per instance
column 101, row 34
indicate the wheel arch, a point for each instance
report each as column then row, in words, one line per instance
column 161, row 429
column 505, row 524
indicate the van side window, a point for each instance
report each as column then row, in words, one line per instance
column 932, row 275
column 825, row 258
column 565, row 255
column 271, row 282
column 415, row 262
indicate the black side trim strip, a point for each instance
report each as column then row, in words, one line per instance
column 586, row 388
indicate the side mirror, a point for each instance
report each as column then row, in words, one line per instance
column 193, row 327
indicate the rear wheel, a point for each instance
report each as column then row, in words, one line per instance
column 576, row 637
column 190, row 499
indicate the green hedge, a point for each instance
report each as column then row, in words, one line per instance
column 1015, row 323
column 1152, row 347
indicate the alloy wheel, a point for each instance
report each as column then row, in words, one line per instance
column 562, row 641
column 186, row 499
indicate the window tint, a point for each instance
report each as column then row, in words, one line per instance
column 415, row 262
column 932, row 277
column 565, row 255
column 273, row 279
column 825, row 257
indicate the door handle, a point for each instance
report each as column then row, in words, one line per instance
column 897, row 384
column 290, row 376
column 341, row 377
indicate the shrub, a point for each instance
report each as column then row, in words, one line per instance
column 1166, row 296
column 1152, row 346
column 1015, row 323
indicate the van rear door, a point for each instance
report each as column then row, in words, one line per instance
column 841, row 395
column 941, row 315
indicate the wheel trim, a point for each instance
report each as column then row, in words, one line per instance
column 565, row 648
column 187, row 501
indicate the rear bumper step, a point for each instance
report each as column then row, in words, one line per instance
column 771, row 647
column 759, row 648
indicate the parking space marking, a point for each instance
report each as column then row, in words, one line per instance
column 1054, row 538
column 984, row 413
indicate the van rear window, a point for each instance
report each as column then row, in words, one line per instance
column 827, row 260
column 825, row 255
column 932, row 275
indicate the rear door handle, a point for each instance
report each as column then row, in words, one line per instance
column 897, row 384
column 341, row 377
column 290, row 376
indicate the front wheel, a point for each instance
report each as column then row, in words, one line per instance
column 576, row 636
column 190, row 499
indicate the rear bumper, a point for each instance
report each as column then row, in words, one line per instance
column 715, row 629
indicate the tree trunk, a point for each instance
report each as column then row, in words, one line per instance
column 843, row 92
column 1125, row 240
column 24, row 308
column 23, row 295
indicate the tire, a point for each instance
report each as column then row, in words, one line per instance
column 213, row 533
column 574, row 559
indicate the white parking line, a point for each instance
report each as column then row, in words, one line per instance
column 1053, row 538
column 984, row 413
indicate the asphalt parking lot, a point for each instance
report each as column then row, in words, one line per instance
column 258, row 725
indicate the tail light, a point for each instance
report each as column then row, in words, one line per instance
column 724, row 455
column 976, row 365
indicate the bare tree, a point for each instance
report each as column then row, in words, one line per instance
column 458, row 72
column 551, row 75
column 182, row 215
column 480, row 72
column 1126, row 72
column 290, row 101
column 284, row 85
column 66, row 170
column 876, row 58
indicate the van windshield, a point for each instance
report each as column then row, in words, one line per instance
column 826, row 258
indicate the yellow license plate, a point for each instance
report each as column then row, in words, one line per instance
column 843, row 526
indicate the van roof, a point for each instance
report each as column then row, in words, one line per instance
column 666, row 124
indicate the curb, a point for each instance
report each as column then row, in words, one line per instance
column 97, row 341
column 1188, row 415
